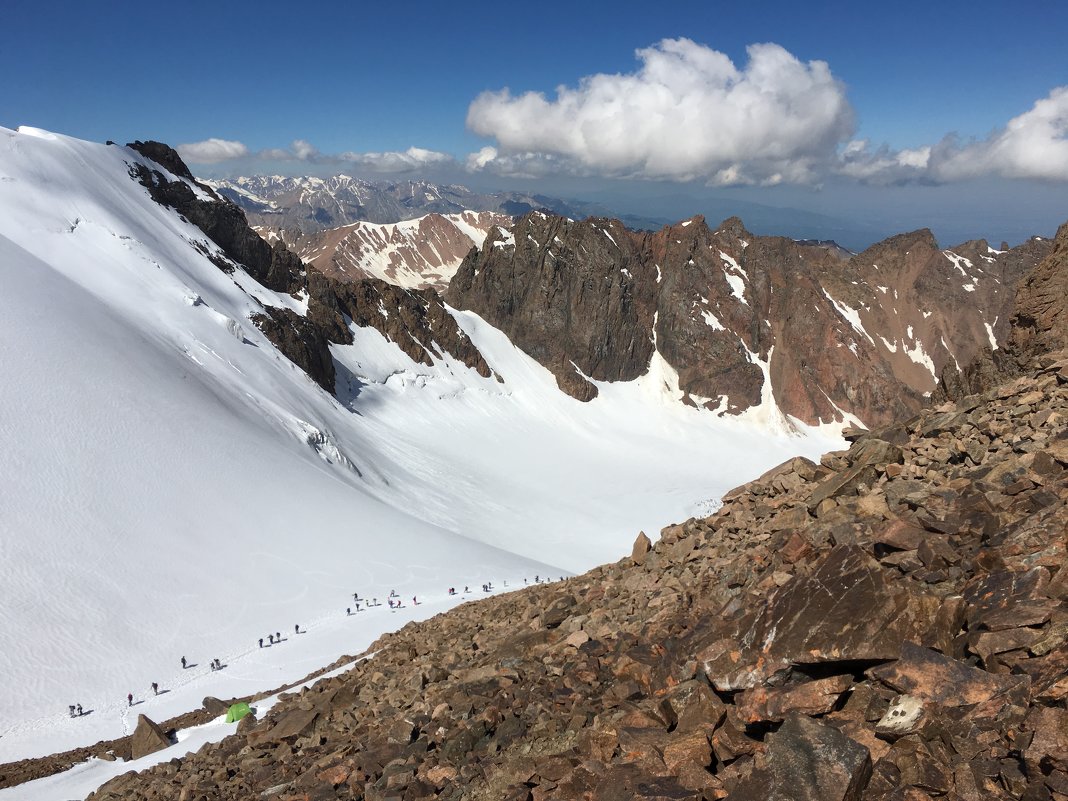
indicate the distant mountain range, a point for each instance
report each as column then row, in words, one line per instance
column 308, row 204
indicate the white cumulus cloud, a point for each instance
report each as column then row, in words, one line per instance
column 303, row 150
column 211, row 151
column 414, row 158
column 688, row 112
column 1032, row 145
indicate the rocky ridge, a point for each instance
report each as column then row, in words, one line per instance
column 891, row 623
column 1039, row 323
column 738, row 321
column 415, row 254
column 732, row 312
column 416, row 321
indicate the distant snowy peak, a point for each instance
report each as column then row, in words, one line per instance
column 415, row 254
column 309, row 204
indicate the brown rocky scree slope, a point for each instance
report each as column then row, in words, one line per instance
column 593, row 299
column 415, row 320
column 889, row 624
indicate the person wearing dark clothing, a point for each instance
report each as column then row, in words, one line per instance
column 155, row 688
column 80, row 713
column 261, row 642
column 183, row 663
column 129, row 699
column 71, row 710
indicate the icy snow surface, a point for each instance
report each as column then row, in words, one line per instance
column 174, row 486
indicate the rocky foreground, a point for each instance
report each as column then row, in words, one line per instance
column 889, row 624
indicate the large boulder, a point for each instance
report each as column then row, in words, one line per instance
column 148, row 738
column 807, row 761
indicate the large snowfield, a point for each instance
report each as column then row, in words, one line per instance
column 173, row 486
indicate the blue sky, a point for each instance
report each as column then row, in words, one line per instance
column 390, row 89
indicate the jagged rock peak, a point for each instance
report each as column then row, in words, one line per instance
column 732, row 226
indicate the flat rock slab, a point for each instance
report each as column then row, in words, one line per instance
column 848, row 609
column 807, row 761
column 292, row 724
column 762, row 704
column 932, row 677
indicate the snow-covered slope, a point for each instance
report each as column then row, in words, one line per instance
column 172, row 485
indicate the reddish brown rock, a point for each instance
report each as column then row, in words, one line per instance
column 848, row 609
column 926, row 674
column 807, row 761
column 775, row 703
column 642, row 545
column 147, row 738
column 1048, row 750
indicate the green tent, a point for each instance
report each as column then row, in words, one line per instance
column 237, row 711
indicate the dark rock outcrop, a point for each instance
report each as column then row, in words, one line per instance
column 302, row 342
column 1040, row 314
column 224, row 223
column 808, row 761
column 416, row 321
column 577, row 297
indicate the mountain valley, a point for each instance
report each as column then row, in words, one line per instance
column 234, row 412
